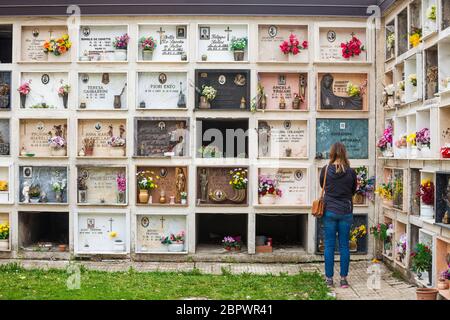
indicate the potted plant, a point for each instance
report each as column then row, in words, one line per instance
column 120, row 45
column 57, row 47
column 35, row 193
column 183, row 197
column 57, row 145
column 121, row 187
column 352, row 48
column 401, row 146
column 355, row 234
column 207, row 95
column 423, row 141
column 411, row 140
column 426, row 195
column 63, row 92
column 230, row 243
column 58, row 188
column 292, row 47
column 146, row 183
column 24, row 90
column 385, row 142
column 82, row 190
column 116, row 143
column 421, row 261
column 239, row 181
column 444, row 277
column 385, row 191
column 4, row 236
column 268, row 190
column 148, row 45
column 175, row 243
column 238, row 45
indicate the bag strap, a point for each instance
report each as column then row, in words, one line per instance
column 324, row 182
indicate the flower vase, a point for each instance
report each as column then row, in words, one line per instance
column 239, row 55
column 4, row 245
column 445, row 152
column 415, row 95
column 358, row 198
column 387, row 153
column 442, row 283
column 116, row 151
column 143, row 196
column 119, row 246
column 267, row 199
column 413, row 152
column 353, row 246
column 121, row 197
column 23, row 100
column 176, row 247
column 425, row 152
column 183, row 202
column 65, row 98
column 387, row 202
column 59, row 152
column 58, row 196
column 120, row 54
column 426, row 211
column 204, row 103
column 147, row 55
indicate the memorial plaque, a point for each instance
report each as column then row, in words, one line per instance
column 44, row 177
column 293, row 183
column 361, row 243
column 96, row 42
column 330, row 40
column 213, row 187
column 33, row 39
column 98, row 131
column 232, row 86
column 353, row 133
column 214, row 41
column 283, row 138
column 34, row 135
column 281, row 90
column 270, row 38
column 162, row 137
column 151, row 228
column 103, row 91
column 101, row 183
column 102, row 233
column 44, row 89
column 162, row 90
column 171, row 41
column 5, row 90
column 333, row 91
column 171, row 182
column 4, row 137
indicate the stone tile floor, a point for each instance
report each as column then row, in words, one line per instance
column 387, row 288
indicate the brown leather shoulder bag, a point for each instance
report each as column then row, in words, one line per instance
column 318, row 205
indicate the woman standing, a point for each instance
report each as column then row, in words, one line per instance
column 340, row 186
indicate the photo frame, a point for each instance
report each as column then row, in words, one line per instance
column 181, row 32
column 204, row 33
column 27, row 172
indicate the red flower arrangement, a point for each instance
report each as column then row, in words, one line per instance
column 293, row 45
column 426, row 192
column 352, row 48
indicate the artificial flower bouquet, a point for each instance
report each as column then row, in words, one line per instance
column 173, row 238
column 385, row 142
column 57, row 46
column 147, row 43
column 426, row 192
column 415, row 37
column 116, row 141
column 365, row 185
column 147, row 180
column 423, row 138
column 293, row 45
column 209, row 92
column 358, row 232
column 57, row 142
column 268, row 186
column 352, row 48
column 239, row 178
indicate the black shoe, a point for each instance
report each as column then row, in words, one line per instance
column 344, row 283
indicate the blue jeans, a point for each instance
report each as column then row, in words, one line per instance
column 340, row 224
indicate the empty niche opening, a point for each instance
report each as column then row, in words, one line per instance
column 288, row 232
column 226, row 138
column 43, row 231
column 415, row 185
column 213, row 227
column 6, row 43
column 402, row 34
column 445, row 14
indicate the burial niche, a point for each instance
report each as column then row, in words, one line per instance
column 329, row 100
column 5, row 43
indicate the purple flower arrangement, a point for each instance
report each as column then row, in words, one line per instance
column 121, row 182
column 230, row 242
column 423, row 137
column 268, row 186
column 116, row 142
column 386, row 140
column 121, row 42
column 56, row 142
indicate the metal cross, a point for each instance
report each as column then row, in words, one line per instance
column 160, row 31
column 228, row 30
column 162, row 222
column 110, row 223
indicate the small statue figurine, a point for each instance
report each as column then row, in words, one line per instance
column 180, row 184
column 264, row 137
column 243, row 103
column 282, row 104
column 25, row 192
column 296, row 102
column 203, row 185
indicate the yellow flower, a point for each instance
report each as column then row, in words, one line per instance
column 113, row 234
column 414, row 39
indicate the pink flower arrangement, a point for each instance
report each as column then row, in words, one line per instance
column 423, row 137
column 56, row 142
column 25, row 88
column 121, row 182
column 172, row 238
column 147, row 43
column 352, row 48
column 121, row 42
column 232, row 242
column 268, row 186
column 386, row 139
column 63, row 90
column 116, row 141
column 293, row 45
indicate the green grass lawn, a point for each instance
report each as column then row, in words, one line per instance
column 18, row 283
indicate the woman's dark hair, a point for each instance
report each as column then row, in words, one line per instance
column 338, row 157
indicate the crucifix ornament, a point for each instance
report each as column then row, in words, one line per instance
column 228, row 30
column 161, row 34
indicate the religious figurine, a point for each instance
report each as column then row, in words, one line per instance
column 203, row 177
column 296, row 102
column 25, row 192
column 264, row 137
column 181, row 98
column 302, row 89
column 328, row 100
column 261, row 100
column 180, row 183
column 243, row 103
column 282, row 104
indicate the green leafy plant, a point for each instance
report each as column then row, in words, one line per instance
column 421, row 258
column 238, row 44
column 35, row 191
